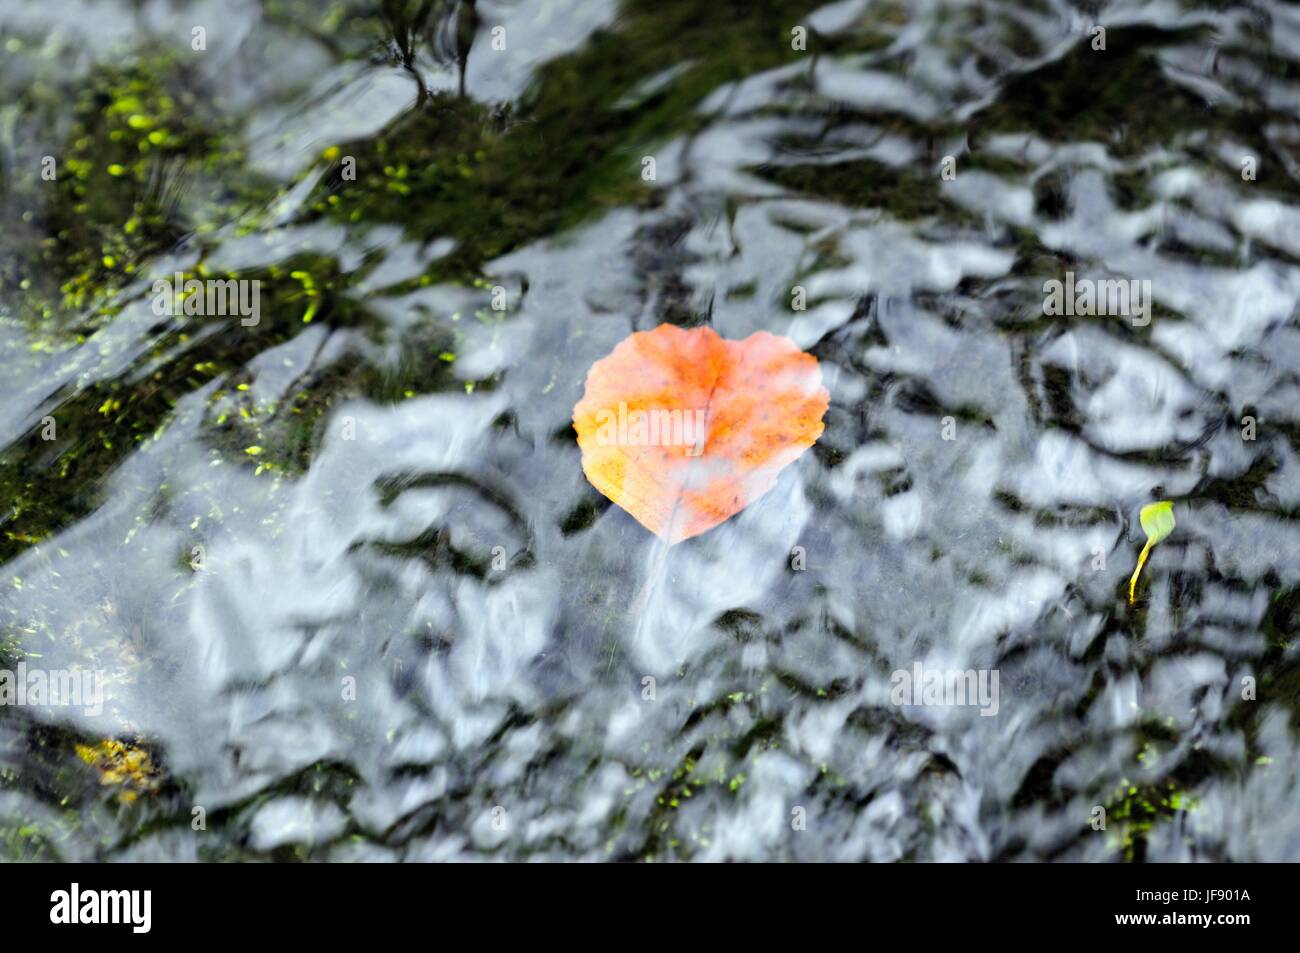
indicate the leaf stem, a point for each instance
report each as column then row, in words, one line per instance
column 1142, row 561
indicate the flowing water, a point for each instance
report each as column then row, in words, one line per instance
column 348, row 590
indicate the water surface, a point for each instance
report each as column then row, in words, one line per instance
column 410, row 636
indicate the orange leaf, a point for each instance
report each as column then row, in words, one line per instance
column 684, row 429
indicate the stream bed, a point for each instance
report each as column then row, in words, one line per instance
column 331, row 569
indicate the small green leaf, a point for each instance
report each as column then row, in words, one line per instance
column 1157, row 520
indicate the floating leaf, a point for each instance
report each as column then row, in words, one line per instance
column 123, row 765
column 684, row 429
column 1157, row 522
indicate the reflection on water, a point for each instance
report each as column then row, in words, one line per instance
column 349, row 591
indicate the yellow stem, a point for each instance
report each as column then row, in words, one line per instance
column 1142, row 561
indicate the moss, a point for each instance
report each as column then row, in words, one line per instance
column 494, row 178
column 1136, row 809
column 53, row 483
column 1119, row 96
column 146, row 162
column 904, row 193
